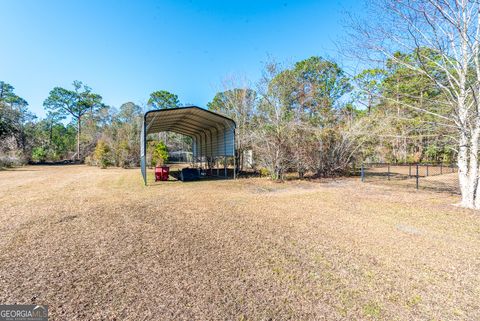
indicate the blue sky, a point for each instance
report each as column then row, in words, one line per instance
column 125, row 50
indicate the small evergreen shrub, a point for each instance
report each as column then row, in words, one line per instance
column 102, row 154
column 159, row 153
column 39, row 154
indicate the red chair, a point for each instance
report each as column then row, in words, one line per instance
column 162, row 173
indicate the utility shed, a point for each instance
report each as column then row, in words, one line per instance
column 213, row 135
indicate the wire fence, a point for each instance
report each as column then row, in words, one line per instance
column 436, row 177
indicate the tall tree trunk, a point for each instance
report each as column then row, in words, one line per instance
column 51, row 134
column 468, row 167
column 473, row 164
column 468, row 149
column 78, row 137
column 465, row 189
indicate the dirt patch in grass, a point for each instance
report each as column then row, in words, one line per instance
column 97, row 245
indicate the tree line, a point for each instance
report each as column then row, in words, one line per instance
column 309, row 118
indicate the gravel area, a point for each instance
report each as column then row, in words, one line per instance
column 96, row 244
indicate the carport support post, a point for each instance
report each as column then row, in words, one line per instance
column 225, row 151
column 199, row 151
column 217, row 161
column 234, row 165
column 143, row 157
column 417, row 177
column 234, row 155
column 212, row 162
column 225, row 166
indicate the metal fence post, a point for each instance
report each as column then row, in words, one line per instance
column 452, row 168
column 409, row 170
column 427, row 170
column 362, row 173
column 388, row 174
column 417, row 177
column 441, row 168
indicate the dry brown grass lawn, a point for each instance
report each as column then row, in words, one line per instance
column 97, row 245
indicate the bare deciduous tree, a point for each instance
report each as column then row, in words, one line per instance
column 450, row 29
column 237, row 101
column 271, row 136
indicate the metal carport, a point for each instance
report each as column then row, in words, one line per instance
column 213, row 135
